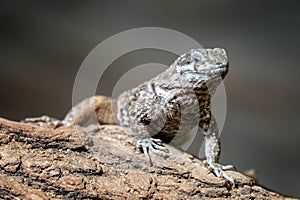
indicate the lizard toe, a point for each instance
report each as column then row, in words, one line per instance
column 219, row 171
column 154, row 145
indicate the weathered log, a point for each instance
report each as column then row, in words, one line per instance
column 100, row 162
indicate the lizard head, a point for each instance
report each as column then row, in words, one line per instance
column 207, row 63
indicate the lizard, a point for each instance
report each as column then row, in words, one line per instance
column 169, row 104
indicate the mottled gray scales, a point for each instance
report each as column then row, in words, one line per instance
column 169, row 104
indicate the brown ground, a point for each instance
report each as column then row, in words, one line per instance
column 100, row 162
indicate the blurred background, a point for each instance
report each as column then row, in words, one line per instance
column 42, row 45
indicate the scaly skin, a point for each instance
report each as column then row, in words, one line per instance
column 171, row 103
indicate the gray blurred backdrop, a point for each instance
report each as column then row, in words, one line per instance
column 42, row 45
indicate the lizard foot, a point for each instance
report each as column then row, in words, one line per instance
column 44, row 121
column 154, row 145
column 219, row 170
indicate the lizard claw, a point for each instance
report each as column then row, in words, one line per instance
column 154, row 145
column 219, row 170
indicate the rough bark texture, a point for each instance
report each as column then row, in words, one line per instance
column 100, row 162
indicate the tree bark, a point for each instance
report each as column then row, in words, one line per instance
column 100, row 162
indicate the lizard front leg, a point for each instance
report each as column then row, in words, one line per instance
column 213, row 147
column 146, row 119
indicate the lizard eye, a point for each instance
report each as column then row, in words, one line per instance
column 196, row 56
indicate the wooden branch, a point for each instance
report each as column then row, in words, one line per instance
column 101, row 162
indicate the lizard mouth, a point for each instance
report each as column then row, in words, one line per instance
column 222, row 70
column 219, row 71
